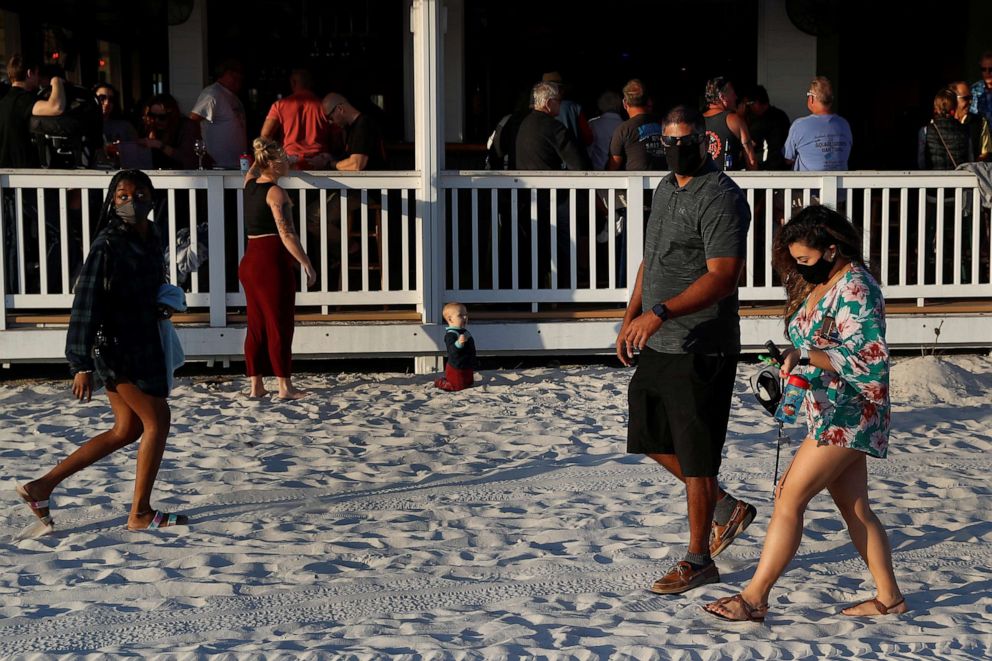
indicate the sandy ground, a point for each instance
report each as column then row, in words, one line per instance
column 380, row 518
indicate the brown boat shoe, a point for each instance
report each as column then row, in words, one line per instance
column 722, row 536
column 682, row 578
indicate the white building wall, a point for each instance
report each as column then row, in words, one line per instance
column 786, row 58
column 188, row 57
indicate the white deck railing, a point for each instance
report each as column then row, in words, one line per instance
column 508, row 238
column 926, row 233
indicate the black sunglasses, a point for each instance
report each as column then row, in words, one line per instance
column 986, row 69
column 104, row 97
column 159, row 115
column 689, row 140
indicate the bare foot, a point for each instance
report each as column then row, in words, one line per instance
column 293, row 394
column 257, row 394
column 875, row 607
column 31, row 493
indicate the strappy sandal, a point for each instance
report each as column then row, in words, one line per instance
column 165, row 520
column 882, row 608
column 750, row 613
column 36, row 506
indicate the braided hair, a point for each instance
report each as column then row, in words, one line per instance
column 107, row 211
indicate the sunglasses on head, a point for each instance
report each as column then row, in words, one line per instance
column 688, row 140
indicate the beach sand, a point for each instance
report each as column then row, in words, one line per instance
column 382, row 518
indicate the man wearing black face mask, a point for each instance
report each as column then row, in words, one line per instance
column 683, row 319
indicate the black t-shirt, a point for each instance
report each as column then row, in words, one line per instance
column 462, row 357
column 768, row 132
column 638, row 142
column 722, row 141
column 364, row 137
column 16, row 149
column 543, row 143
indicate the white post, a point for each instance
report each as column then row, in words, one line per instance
column 216, row 252
column 3, row 262
column 188, row 56
column 634, row 230
column 428, row 57
column 828, row 191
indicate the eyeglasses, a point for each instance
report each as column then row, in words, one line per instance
column 332, row 111
column 688, row 140
column 986, row 69
column 101, row 98
column 159, row 115
column 966, row 97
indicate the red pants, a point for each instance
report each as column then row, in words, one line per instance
column 455, row 379
column 268, row 275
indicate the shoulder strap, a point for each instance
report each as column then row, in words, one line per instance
column 937, row 129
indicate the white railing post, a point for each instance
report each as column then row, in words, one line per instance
column 828, row 191
column 3, row 260
column 216, row 224
column 634, row 230
column 428, row 56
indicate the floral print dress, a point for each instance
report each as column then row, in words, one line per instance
column 848, row 407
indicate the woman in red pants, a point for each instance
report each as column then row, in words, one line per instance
column 268, row 271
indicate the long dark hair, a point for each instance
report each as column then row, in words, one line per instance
column 818, row 227
column 136, row 177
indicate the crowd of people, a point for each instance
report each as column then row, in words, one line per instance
column 745, row 131
column 95, row 128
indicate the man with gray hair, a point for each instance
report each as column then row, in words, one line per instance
column 821, row 140
column 544, row 143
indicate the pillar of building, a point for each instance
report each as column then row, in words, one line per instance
column 786, row 58
column 188, row 57
column 452, row 26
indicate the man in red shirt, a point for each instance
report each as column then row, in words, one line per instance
column 299, row 122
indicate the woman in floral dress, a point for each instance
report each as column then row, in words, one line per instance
column 835, row 319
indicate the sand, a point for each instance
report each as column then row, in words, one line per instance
column 381, row 518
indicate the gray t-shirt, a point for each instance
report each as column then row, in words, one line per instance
column 708, row 218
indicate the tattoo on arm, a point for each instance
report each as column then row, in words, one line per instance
column 283, row 223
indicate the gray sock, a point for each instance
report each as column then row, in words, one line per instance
column 724, row 508
column 697, row 560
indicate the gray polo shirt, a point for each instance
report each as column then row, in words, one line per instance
column 706, row 219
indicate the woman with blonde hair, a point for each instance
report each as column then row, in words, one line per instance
column 835, row 319
column 268, row 271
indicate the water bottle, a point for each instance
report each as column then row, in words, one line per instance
column 792, row 399
column 728, row 158
column 245, row 161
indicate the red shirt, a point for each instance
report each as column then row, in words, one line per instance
column 303, row 124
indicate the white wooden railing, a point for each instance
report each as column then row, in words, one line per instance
column 373, row 258
column 522, row 239
column 926, row 233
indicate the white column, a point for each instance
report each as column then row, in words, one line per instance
column 428, row 90
column 188, row 57
column 453, row 33
column 786, row 58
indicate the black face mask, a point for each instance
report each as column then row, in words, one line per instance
column 816, row 273
column 131, row 212
column 685, row 160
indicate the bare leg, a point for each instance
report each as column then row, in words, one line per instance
column 156, row 419
column 670, row 462
column 287, row 390
column 701, row 496
column 812, row 469
column 126, row 430
column 850, row 493
column 257, row 386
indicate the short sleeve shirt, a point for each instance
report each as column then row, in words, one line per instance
column 365, row 138
column 303, row 124
column 706, row 219
column 819, row 142
column 638, row 142
column 16, row 150
column 224, row 130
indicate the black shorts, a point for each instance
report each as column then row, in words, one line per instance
column 680, row 404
